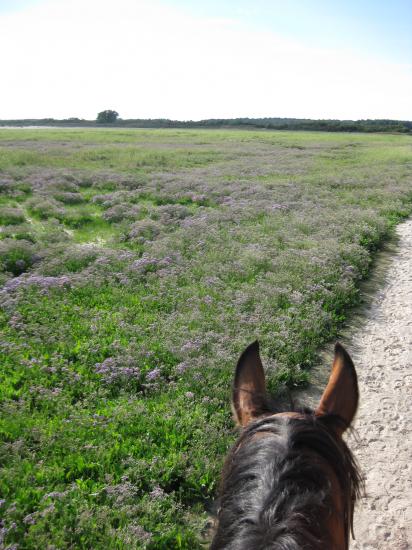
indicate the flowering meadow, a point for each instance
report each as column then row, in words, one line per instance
column 135, row 266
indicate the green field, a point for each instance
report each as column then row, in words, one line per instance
column 135, row 267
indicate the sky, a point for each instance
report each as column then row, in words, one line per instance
column 196, row 59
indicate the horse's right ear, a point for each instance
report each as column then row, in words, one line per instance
column 249, row 398
column 341, row 394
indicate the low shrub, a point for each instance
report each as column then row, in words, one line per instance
column 11, row 216
column 120, row 212
column 77, row 218
column 20, row 232
column 45, row 208
column 67, row 197
column 144, row 230
column 170, row 213
column 16, row 256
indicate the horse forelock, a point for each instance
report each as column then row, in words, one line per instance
column 284, row 481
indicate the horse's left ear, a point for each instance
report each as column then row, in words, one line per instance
column 249, row 398
column 341, row 394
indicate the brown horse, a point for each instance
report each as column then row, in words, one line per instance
column 290, row 482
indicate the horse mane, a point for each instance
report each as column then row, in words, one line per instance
column 275, row 493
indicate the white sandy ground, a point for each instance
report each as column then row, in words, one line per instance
column 382, row 353
column 380, row 343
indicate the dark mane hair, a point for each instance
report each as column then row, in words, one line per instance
column 276, row 492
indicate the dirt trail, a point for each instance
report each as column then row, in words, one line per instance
column 382, row 353
column 380, row 343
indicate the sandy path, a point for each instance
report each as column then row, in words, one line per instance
column 381, row 351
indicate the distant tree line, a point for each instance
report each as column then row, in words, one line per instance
column 110, row 118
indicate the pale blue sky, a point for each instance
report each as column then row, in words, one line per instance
column 207, row 58
column 382, row 27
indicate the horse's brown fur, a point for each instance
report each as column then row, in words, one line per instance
column 290, row 481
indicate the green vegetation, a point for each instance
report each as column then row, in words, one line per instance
column 109, row 118
column 135, row 265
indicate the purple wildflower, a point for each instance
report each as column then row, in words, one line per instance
column 119, row 369
column 153, row 374
column 182, row 367
column 122, row 492
column 139, row 533
column 144, row 264
column 30, row 519
column 190, row 346
column 157, row 493
column 38, row 280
